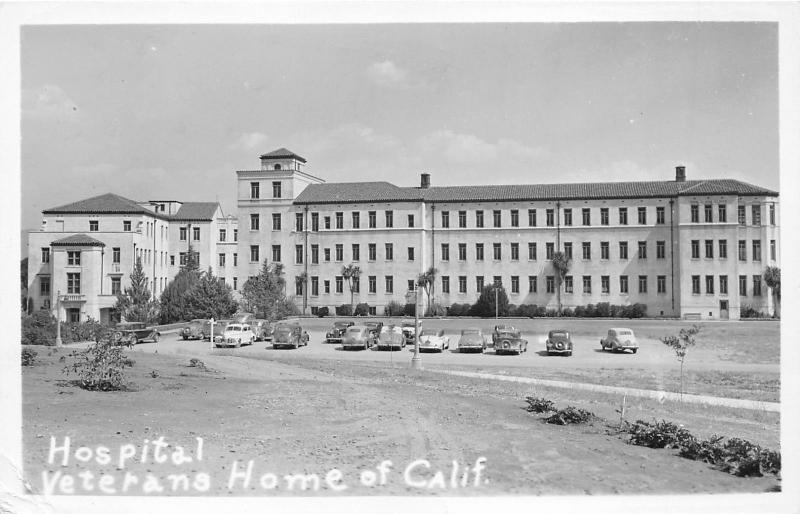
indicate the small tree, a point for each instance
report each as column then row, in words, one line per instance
column 681, row 345
column 561, row 264
column 772, row 277
column 485, row 306
column 265, row 294
column 136, row 303
column 210, row 298
column 192, row 262
column 351, row 272
column 425, row 281
column 173, row 298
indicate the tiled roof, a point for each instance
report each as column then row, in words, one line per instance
column 77, row 240
column 360, row 192
column 108, row 203
column 282, row 153
column 196, row 211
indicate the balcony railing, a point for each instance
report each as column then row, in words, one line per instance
column 116, row 268
column 72, row 297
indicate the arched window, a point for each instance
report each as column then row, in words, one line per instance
column 277, row 167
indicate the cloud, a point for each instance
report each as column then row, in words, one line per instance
column 469, row 149
column 249, row 141
column 48, row 102
column 387, row 73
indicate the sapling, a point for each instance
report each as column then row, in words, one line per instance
column 681, row 345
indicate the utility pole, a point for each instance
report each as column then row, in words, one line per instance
column 59, row 342
column 416, row 362
column 496, row 308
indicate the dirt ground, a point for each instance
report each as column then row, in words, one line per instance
column 313, row 415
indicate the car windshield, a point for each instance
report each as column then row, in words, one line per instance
column 236, row 328
column 340, row 324
column 470, row 332
column 625, row 333
column 429, row 332
column 560, row 334
column 354, row 330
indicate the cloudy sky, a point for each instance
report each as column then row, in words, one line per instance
column 172, row 111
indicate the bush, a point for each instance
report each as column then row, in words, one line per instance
column 409, row 310
column 436, row 309
column 569, row 416
column 662, row 434
column 28, row 357
column 748, row 311
column 539, row 405
column 344, row 310
column 393, row 308
column 322, row 312
column 89, row 330
column 100, row 367
column 458, row 309
column 567, row 312
column 603, row 310
column 39, row 328
column 362, row 309
column 637, row 310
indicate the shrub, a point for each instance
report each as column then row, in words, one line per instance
column 409, row 310
column 458, row 309
column 539, row 405
column 569, row 416
column 709, row 450
column 748, row 311
column 603, row 310
column 362, row 309
column 89, row 330
column 28, row 356
column 344, row 310
column 393, row 308
column 322, row 312
column 100, row 367
column 39, row 328
column 436, row 309
column 662, row 434
column 567, row 312
column 637, row 310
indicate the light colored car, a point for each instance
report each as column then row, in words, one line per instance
column 236, row 334
column 357, row 337
column 559, row 341
column 472, row 340
column 391, row 337
column 219, row 329
column 509, row 340
column 620, row 339
column 433, row 340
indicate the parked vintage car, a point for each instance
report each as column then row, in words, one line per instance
column 500, row 329
column 263, row 329
column 236, row 334
column 289, row 335
column 559, row 341
column 472, row 340
column 219, row 328
column 374, row 328
column 408, row 330
column 133, row 332
column 509, row 340
column 335, row 334
column 434, row 340
column 390, row 338
column 620, row 339
column 358, row 337
column 194, row 330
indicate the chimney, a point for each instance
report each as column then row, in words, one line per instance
column 425, row 181
column 680, row 173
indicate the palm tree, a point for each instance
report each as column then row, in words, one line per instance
column 351, row 272
column 561, row 264
column 772, row 277
column 425, row 281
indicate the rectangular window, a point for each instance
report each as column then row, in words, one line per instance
column 496, row 252
column 722, row 213
column 567, row 217
column 445, row 252
column 389, row 219
column 355, row 249
column 479, row 283
column 462, row 251
column 410, row 221
column 182, row 258
column 479, row 219
column 45, row 255
column 661, row 283
column 44, row 286
column 116, row 285
column 514, row 251
column 586, row 217
column 276, row 189
column 479, row 251
column 642, row 284
column 708, row 211
column 372, row 219
column 496, row 218
column 116, row 254
column 532, row 251
column 315, row 222
column 742, row 250
column 709, row 284
column 623, row 215
column 642, row 214
column 723, row 284
column 695, row 284
column 254, row 190
column 531, row 217
column 126, row 227
column 314, row 254
column 389, row 249
column 254, row 253
column 514, row 284
column 390, row 284
column 254, row 222
column 695, row 248
column 182, row 233
column 742, row 285
column 314, row 286
column 532, row 284
column 339, row 220
column 772, row 250
column 339, row 252
column 372, row 251
column 643, row 249
column 221, row 260
column 356, row 219
column 550, row 284
column 276, row 221
column 549, row 251
column 568, row 250
column 661, row 249
column 497, row 281
column 568, row 286
column 356, row 284
column 660, row 216
column 411, row 253
column 605, row 284
column 326, row 254
column 223, row 235
column 586, row 250
column 623, row 250
column 742, row 214
column 196, row 233
column 756, row 250
column 514, row 218
column 235, row 259
column 604, row 253
column 445, row 219
column 587, row 284
column 723, row 248
column 756, row 214
column 73, row 258
column 298, row 254
column 276, row 253
column 623, row 284
column 372, row 280
column 550, row 217
column 298, row 286
column 298, row 222
column 709, row 246
column 73, row 283
column 339, row 282
column 462, row 284
column 446, row 285
column 326, row 286
column 772, row 214
column 695, row 212
column 604, row 215
column 94, row 226
column 462, row 219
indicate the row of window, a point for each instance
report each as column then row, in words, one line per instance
column 722, row 245
column 255, row 188
column 710, row 280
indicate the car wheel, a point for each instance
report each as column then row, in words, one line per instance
column 185, row 338
column 202, row 336
column 634, row 350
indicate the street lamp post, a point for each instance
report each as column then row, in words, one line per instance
column 59, row 342
column 416, row 361
column 211, row 330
